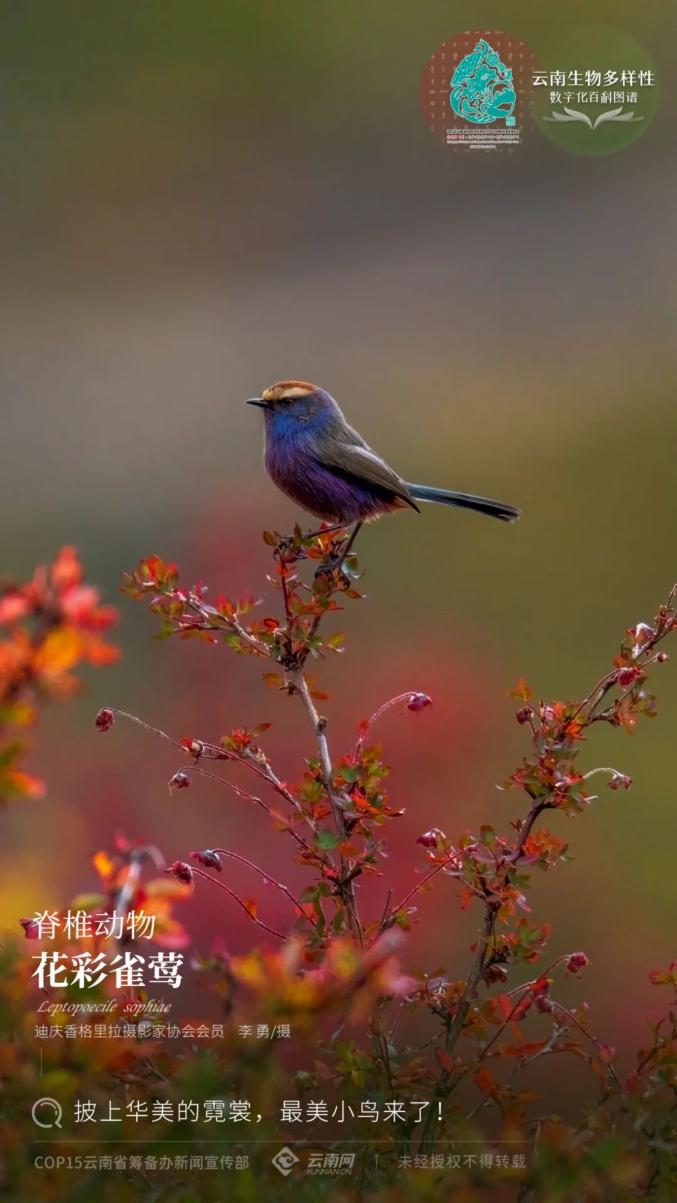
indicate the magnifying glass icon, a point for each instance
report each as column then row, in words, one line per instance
column 52, row 1113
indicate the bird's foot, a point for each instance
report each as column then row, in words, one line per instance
column 331, row 537
column 332, row 575
column 295, row 546
column 338, row 568
column 290, row 548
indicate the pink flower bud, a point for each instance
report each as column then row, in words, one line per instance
column 105, row 719
column 430, row 839
column 524, row 714
column 419, row 701
column 194, row 746
column 181, row 871
column 662, row 657
column 208, row 859
column 627, row 675
column 31, row 929
column 543, row 1003
column 179, row 781
column 576, row 962
column 620, row 781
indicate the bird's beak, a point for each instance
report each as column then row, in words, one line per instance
column 257, row 401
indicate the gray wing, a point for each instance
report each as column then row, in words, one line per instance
column 347, row 452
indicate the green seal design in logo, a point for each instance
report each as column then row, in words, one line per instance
column 476, row 91
column 482, row 90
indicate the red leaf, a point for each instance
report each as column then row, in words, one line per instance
column 485, row 1081
column 445, row 1061
column 522, row 692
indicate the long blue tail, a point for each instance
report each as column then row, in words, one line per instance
column 483, row 505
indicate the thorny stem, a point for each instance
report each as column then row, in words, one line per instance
column 386, row 911
column 527, row 827
column 523, row 989
column 474, row 977
column 262, row 873
column 213, row 752
column 455, row 1026
column 337, row 566
column 208, row 612
column 222, row 886
column 545, row 974
column 283, row 571
column 588, row 705
column 602, row 769
column 593, row 1039
column 241, row 793
column 401, row 697
column 389, row 911
column 587, row 712
column 345, row 883
column 133, row 718
column 268, row 774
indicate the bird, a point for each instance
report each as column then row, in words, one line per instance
column 327, row 468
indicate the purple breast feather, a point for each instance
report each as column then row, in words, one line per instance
column 322, row 491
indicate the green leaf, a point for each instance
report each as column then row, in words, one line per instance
column 349, row 772
column 326, row 839
column 401, row 918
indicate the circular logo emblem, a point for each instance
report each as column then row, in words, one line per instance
column 593, row 91
column 476, row 91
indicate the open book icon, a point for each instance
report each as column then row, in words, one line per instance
column 609, row 115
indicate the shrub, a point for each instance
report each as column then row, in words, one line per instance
column 453, row 1107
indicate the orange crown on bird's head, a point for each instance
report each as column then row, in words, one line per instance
column 285, row 390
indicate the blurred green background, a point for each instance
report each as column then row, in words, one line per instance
column 200, row 199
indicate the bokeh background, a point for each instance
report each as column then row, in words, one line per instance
column 200, row 199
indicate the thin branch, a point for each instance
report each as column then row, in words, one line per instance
column 416, row 889
column 207, row 613
column 133, row 718
column 401, row 697
column 262, row 873
column 527, row 827
column 597, row 1043
column 602, row 769
column 474, row 977
column 386, row 911
column 319, row 724
column 267, row 773
column 222, row 886
column 241, row 793
column 210, row 751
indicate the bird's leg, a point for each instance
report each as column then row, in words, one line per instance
column 346, row 550
column 294, row 545
column 290, row 542
column 326, row 530
column 334, row 564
